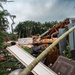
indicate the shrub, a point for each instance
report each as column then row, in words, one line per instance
column 67, row 53
column 2, row 39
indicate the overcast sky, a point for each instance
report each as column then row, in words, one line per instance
column 41, row 10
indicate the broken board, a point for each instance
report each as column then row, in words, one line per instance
column 25, row 58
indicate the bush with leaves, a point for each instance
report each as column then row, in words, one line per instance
column 2, row 39
column 67, row 53
column 13, row 37
column 26, row 49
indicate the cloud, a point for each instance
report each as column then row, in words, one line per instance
column 29, row 9
column 59, row 10
column 41, row 10
column 63, row 9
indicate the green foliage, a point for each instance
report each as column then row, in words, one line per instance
column 3, row 21
column 67, row 53
column 3, row 26
column 29, row 28
column 13, row 36
column 4, row 72
column 26, row 49
column 2, row 39
column 7, row 64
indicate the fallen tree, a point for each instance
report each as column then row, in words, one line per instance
column 30, row 67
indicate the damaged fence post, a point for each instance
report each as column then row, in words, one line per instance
column 30, row 67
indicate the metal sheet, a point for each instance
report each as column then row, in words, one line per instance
column 72, row 20
column 62, row 43
column 71, row 38
column 25, row 58
column 64, row 66
column 74, row 37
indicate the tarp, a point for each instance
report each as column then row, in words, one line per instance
column 25, row 58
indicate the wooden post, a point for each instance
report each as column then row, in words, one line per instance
column 29, row 68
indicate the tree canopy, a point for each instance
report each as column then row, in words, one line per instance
column 29, row 28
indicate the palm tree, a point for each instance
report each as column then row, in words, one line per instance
column 3, row 15
column 3, row 21
column 3, row 26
